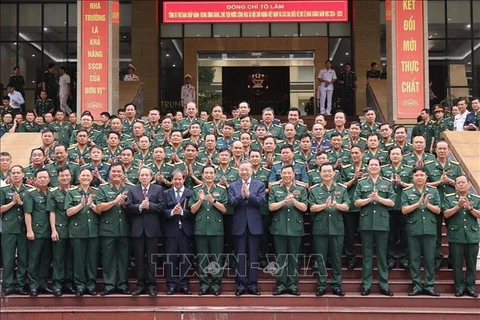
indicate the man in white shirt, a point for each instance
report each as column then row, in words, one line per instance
column 187, row 93
column 462, row 116
column 64, row 90
column 326, row 77
column 131, row 76
column 16, row 98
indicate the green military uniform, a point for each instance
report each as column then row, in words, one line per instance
column 344, row 133
column 352, row 217
column 276, row 131
column 151, row 130
column 30, row 172
column 280, row 143
column 114, row 234
column 165, row 169
column 62, row 130
column 209, row 234
column 384, row 145
column 197, row 172
column 211, row 128
column 374, row 227
column 265, row 239
column 83, row 232
column 145, row 160
column 170, row 149
column 185, row 123
column 203, row 156
column 94, row 136
column 328, row 231
column 14, row 240
column 62, row 274
column 434, row 173
column 131, row 174
column 425, row 129
column 223, row 143
column 44, row 106
column 254, row 122
column 397, row 237
column 51, row 85
column 308, row 161
column 104, row 128
column 128, row 127
column 26, row 126
column 75, row 153
column 463, row 235
column 287, row 230
column 413, row 161
column 200, row 143
column 300, row 129
column 348, row 142
column 422, row 233
column 380, row 155
column 366, row 130
column 39, row 249
column 103, row 169
column 314, row 177
column 441, row 126
column 343, row 154
column 110, row 156
column 52, row 170
column 298, row 168
column 276, row 158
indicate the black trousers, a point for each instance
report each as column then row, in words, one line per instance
column 145, row 250
column 348, row 100
column 178, row 259
column 247, row 245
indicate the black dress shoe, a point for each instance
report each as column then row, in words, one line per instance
column 57, row 292
column 351, row 266
column 414, row 292
column 338, row 292
column 430, row 292
column 202, row 292
column 91, row 292
column 240, row 292
column 171, row 291
column 80, row 293
column 123, row 291
column 21, row 291
column 45, row 290
column 107, row 292
column 69, row 290
column 320, row 292
column 459, row 294
column 365, row 292
column 185, row 290
column 279, row 292
column 386, row 292
column 391, row 265
column 404, row 266
column 8, row 292
column 471, row 293
column 139, row 291
column 152, row 292
column 295, row 292
column 254, row 291
column 216, row 292
column 33, row 293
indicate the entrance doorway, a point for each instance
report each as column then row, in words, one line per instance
column 263, row 79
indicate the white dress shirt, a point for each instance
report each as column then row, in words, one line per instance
column 176, row 192
column 460, row 120
column 63, row 83
column 328, row 75
column 16, row 99
column 187, row 94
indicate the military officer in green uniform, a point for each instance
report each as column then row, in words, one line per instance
column 440, row 125
column 400, row 176
column 62, row 273
column 425, row 128
column 314, row 176
column 43, row 105
column 162, row 171
column 111, row 153
column 369, row 126
column 61, row 159
column 208, row 204
column 374, row 195
column 80, row 152
column 29, row 124
column 260, row 173
column 37, row 156
column 337, row 155
column 38, row 233
column 210, row 154
column 442, row 173
column 400, row 140
column 192, row 169
column 94, row 136
column 350, row 174
column 294, row 118
column 462, row 211
column 287, row 159
column 191, row 112
column 420, row 204
column 114, row 231
column 130, row 170
column 49, row 83
column 99, row 169
column 83, row 232
column 305, row 154
column 373, row 150
column 61, row 128
column 418, row 157
column 14, row 240
column 287, row 201
column 328, row 201
column 348, row 80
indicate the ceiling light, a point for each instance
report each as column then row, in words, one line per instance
column 167, row 55
column 468, row 26
column 33, row 55
column 174, row 65
column 346, row 53
column 45, row 29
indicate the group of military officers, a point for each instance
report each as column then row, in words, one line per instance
column 88, row 193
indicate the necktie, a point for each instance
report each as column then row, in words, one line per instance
column 179, row 195
column 145, row 196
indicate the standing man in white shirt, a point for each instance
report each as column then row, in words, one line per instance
column 187, row 93
column 16, row 99
column 326, row 77
column 131, row 76
column 462, row 116
column 64, row 90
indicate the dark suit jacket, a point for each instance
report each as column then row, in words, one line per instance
column 171, row 222
column 147, row 220
column 247, row 211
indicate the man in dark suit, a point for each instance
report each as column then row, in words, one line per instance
column 145, row 206
column 246, row 196
column 177, row 231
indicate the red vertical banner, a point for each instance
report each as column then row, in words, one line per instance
column 410, row 73
column 94, row 67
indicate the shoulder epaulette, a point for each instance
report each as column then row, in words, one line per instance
column 276, row 182
column 32, row 189
column 221, row 186
column 455, row 162
column 129, row 183
column 315, row 185
column 311, row 170
column 93, row 188
column 73, row 187
column 408, row 166
column 104, row 184
column 301, row 183
column 408, row 188
column 341, row 184
column 330, row 130
column 363, row 178
column 73, row 146
column 277, row 162
column 28, row 186
column 428, row 161
column 385, row 165
column 476, row 196
column 197, row 186
column 266, row 169
column 449, row 195
column 53, row 189
column 346, row 137
column 233, row 168
column 346, row 166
